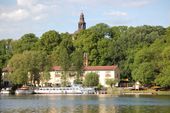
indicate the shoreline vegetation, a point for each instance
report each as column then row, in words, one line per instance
column 122, row 91
column 142, row 53
column 119, row 91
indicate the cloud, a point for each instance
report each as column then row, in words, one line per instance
column 34, row 6
column 32, row 9
column 26, row 3
column 117, row 18
column 136, row 3
column 15, row 15
column 115, row 3
column 26, row 16
column 117, row 13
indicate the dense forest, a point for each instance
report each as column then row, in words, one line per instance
column 142, row 53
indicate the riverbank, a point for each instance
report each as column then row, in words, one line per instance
column 122, row 91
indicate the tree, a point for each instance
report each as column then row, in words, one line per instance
column 19, row 74
column 103, row 50
column 48, row 41
column 64, row 62
column 36, row 62
column 91, row 79
column 111, row 82
column 77, row 63
column 25, row 43
column 144, row 73
column 163, row 78
column 28, row 66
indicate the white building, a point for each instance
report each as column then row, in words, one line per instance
column 104, row 72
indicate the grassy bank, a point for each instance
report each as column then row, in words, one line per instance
column 121, row 91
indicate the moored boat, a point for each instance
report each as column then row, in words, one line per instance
column 5, row 91
column 64, row 90
column 24, row 90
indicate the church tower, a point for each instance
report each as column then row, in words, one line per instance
column 82, row 23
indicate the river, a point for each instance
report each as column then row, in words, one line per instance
column 84, row 104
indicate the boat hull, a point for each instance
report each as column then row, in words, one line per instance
column 64, row 90
column 19, row 91
column 5, row 91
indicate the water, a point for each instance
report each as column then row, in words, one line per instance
column 84, row 104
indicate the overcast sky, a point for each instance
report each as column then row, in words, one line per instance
column 18, row 17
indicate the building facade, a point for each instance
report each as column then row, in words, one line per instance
column 104, row 72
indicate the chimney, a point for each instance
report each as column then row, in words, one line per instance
column 85, row 62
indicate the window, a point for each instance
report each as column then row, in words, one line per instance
column 107, row 75
column 57, row 75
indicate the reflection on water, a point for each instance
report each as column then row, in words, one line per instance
column 84, row 104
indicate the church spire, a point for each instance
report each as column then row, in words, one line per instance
column 82, row 23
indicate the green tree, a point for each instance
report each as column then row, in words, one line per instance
column 111, row 82
column 103, row 50
column 144, row 73
column 19, row 74
column 77, row 63
column 28, row 64
column 163, row 78
column 25, row 43
column 91, row 79
column 64, row 62
column 36, row 62
column 48, row 41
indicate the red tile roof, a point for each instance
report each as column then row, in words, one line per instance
column 89, row 68
column 93, row 68
column 56, row 68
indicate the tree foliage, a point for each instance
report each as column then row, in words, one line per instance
column 142, row 52
column 77, row 63
column 48, row 41
column 91, row 79
column 28, row 63
column 26, row 43
column 111, row 82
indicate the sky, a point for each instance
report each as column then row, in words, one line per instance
column 19, row 17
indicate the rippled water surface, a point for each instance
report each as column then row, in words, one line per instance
column 84, row 104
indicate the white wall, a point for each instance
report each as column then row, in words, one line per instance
column 55, row 79
column 103, row 75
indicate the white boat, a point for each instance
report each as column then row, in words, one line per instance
column 5, row 90
column 64, row 90
column 24, row 90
